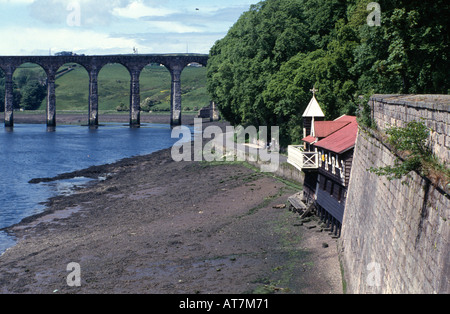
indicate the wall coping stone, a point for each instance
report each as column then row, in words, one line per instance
column 434, row 102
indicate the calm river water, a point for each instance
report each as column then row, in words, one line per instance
column 29, row 151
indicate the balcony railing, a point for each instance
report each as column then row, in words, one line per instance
column 301, row 159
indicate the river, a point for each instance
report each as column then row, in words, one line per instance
column 29, row 151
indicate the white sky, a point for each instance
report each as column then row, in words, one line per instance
column 40, row 27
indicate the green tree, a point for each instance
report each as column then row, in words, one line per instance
column 261, row 72
column 242, row 63
column 409, row 53
column 321, row 17
column 32, row 95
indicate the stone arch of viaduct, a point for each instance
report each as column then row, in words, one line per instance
column 93, row 64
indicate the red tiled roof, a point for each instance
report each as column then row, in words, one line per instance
column 346, row 118
column 325, row 128
column 309, row 139
column 341, row 140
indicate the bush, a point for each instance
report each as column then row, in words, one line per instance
column 412, row 147
column 147, row 104
column 32, row 95
column 122, row 107
column 146, row 108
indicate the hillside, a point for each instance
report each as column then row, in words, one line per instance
column 114, row 88
column 72, row 87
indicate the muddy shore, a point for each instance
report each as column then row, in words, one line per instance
column 155, row 226
column 61, row 118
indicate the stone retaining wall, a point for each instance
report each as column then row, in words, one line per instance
column 434, row 110
column 396, row 237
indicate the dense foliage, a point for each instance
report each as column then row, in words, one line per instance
column 30, row 89
column 261, row 73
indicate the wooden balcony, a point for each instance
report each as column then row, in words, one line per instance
column 302, row 160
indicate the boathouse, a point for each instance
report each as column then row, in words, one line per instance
column 325, row 157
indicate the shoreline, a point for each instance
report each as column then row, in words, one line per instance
column 160, row 227
column 77, row 118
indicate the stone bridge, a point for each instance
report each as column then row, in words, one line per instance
column 93, row 64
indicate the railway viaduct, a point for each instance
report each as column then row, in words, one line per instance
column 175, row 63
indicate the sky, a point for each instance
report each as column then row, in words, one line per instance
column 99, row 27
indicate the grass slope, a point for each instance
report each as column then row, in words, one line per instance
column 72, row 89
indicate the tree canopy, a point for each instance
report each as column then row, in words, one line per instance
column 262, row 71
column 28, row 90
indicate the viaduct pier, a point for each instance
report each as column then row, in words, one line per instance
column 175, row 63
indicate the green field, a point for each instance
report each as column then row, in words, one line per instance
column 72, row 88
